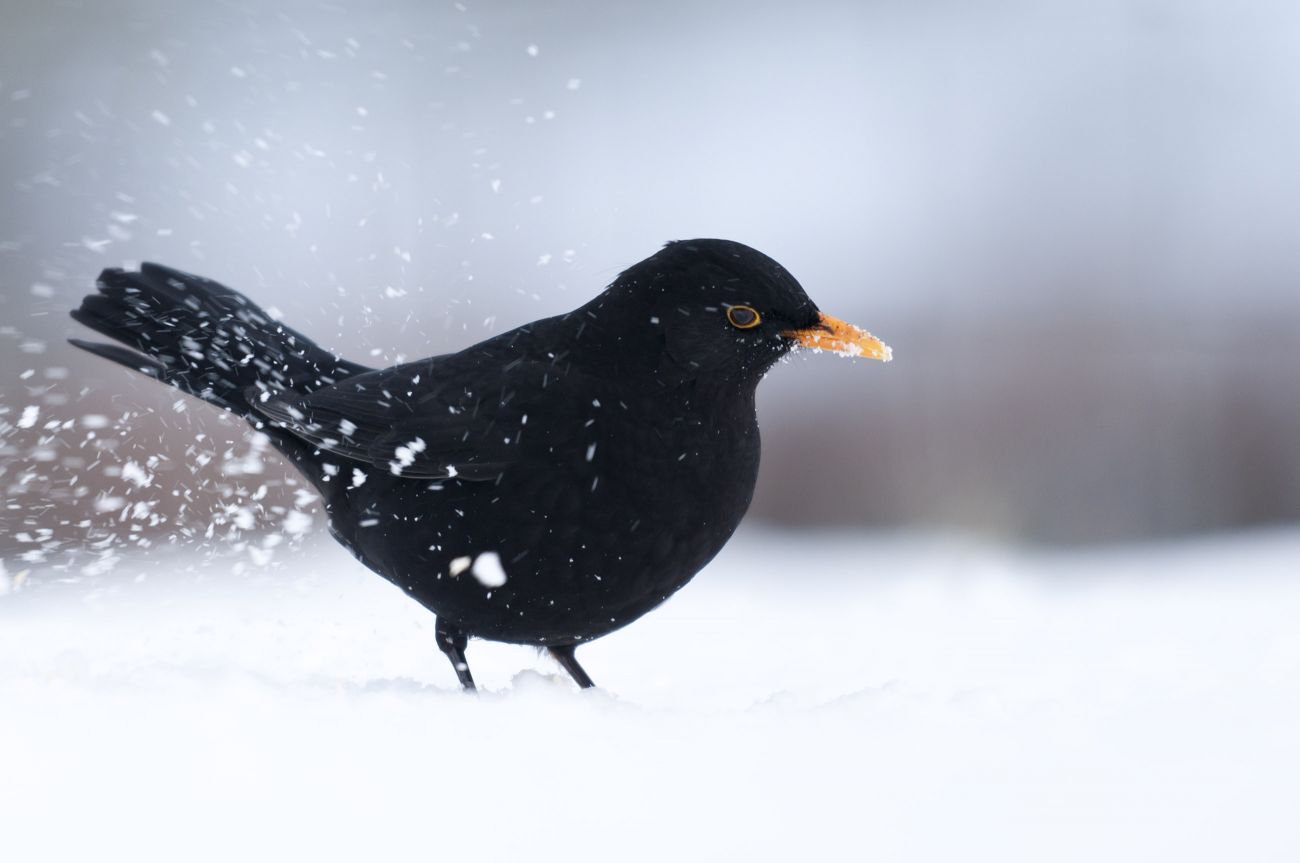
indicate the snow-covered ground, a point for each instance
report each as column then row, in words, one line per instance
column 805, row 699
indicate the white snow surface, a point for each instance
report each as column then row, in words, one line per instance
column 805, row 698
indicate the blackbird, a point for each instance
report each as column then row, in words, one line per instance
column 546, row 486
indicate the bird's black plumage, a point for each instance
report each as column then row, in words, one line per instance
column 546, row 486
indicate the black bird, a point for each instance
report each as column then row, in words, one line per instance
column 546, row 486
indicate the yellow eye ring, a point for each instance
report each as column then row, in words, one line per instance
column 743, row 317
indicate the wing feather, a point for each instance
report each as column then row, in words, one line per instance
column 440, row 418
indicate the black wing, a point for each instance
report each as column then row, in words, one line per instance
column 462, row 416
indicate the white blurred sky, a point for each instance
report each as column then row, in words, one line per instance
column 895, row 156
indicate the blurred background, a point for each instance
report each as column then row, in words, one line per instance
column 1076, row 221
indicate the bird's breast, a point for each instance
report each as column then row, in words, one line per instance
column 595, row 523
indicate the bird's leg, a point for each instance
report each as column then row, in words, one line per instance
column 452, row 641
column 564, row 655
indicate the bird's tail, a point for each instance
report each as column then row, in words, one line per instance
column 202, row 338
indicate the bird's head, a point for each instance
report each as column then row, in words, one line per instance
column 719, row 306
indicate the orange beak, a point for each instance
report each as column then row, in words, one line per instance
column 832, row 334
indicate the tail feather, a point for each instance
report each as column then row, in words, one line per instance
column 202, row 337
column 138, row 362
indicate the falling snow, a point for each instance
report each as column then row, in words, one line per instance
column 297, row 523
column 136, row 474
column 487, row 569
column 406, row 455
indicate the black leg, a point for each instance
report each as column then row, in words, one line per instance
column 564, row 655
column 452, row 641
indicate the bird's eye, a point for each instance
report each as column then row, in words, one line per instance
column 743, row 317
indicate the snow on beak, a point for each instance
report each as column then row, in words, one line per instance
column 832, row 334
